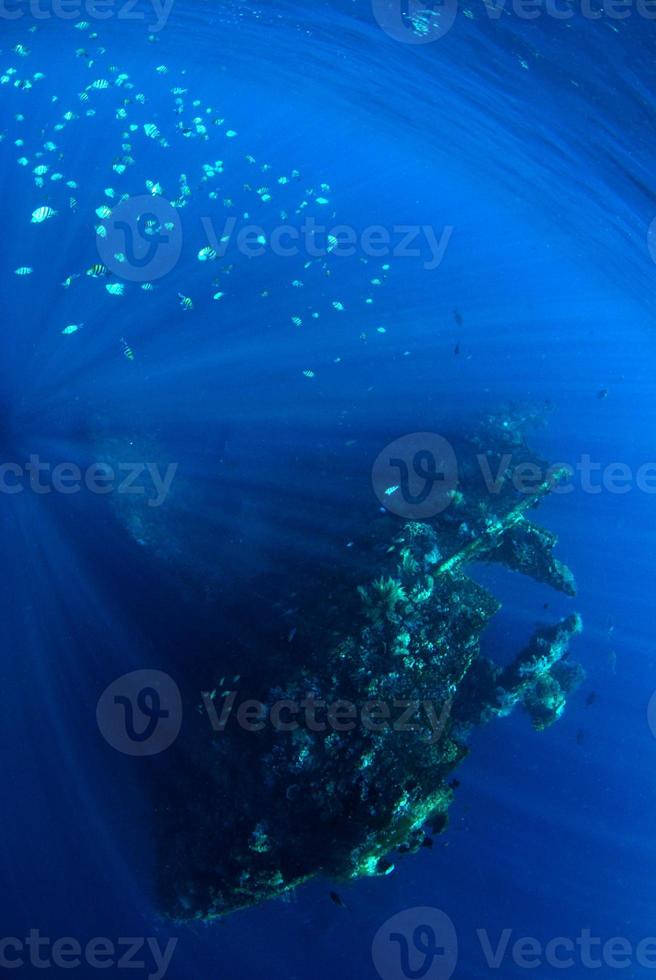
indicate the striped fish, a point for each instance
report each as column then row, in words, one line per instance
column 127, row 350
column 42, row 214
column 98, row 270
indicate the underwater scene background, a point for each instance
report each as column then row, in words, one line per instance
column 490, row 168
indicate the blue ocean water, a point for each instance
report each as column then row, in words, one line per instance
column 528, row 144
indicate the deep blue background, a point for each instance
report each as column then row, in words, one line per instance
column 545, row 174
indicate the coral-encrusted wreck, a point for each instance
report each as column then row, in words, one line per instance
column 349, row 757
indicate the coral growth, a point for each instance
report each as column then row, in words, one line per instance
column 361, row 735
